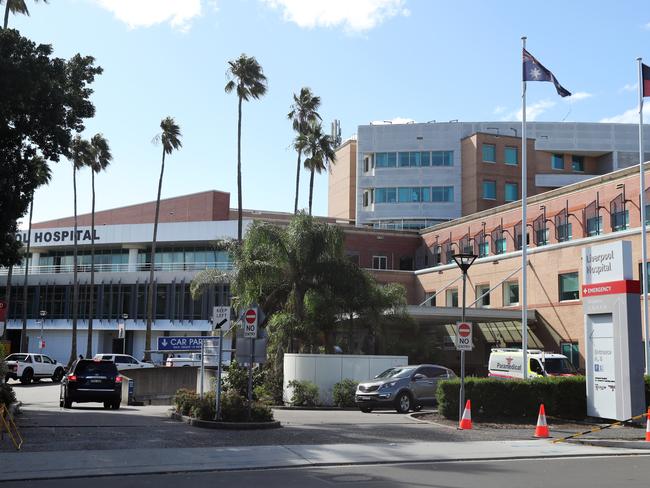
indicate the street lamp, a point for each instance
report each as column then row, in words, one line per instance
column 464, row 261
column 42, row 313
column 124, row 317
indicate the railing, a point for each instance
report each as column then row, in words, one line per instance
column 118, row 268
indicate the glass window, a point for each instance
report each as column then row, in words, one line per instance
column 510, row 155
column 442, row 194
column 512, row 192
column 426, row 194
column 403, row 159
column 432, row 302
column 483, row 249
column 379, row 262
column 578, row 163
column 489, row 190
column 511, row 293
column 594, row 226
column 542, row 236
column 501, row 245
column 620, row 220
column 386, row 160
column 570, row 350
column 415, row 158
column 442, row 158
column 489, row 153
column 564, row 232
column 451, row 298
column 557, row 161
column 404, row 195
column 385, row 195
column 425, row 158
column 485, row 300
column 568, row 285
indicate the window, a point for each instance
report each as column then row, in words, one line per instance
column 406, row 263
column 568, row 286
column 437, row 254
column 432, row 302
column 511, row 294
column 485, row 300
column 570, row 350
column 489, row 190
column 385, row 195
column 510, row 155
column 620, row 220
column 442, row 158
column 512, row 192
column 501, row 245
column 367, row 164
column 442, row 194
column 483, row 249
column 542, row 236
column 425, row 159
column 594, row 226
column 557, row 161
column 386, row 160
column 489, row 153
column 578, row 163
column 379, row 262
column 37, row 358
column 452, row 298
column 564, row 232
column 366, row 198
column 403, row 159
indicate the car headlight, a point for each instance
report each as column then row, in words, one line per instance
column 386, row 386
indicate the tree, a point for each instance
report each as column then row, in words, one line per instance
column 247, row 78
column 100, row 158
column 44, row 177
column 15, row 7
column 303, row 113
column 170, row 138
column 80, row 156
column 319, row 149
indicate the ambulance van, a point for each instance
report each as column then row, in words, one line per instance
column 507, row 364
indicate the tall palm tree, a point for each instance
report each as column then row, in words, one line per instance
column 80, row 155
column 303, row 113
column 247, row 77
column 170, row 138
column 319, row 149
column 43, row 177
column 15, row 7
column 100, row 159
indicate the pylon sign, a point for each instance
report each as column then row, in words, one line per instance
column 464, row 336
column 250, row 322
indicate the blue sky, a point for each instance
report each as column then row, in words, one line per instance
column 367, row 59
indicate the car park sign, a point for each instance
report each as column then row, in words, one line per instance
column 463, row 336
column 172, row 343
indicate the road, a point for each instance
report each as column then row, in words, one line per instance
column 608, row 472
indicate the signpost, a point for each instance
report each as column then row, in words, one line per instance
column 250, row 323
column 463, row 336
column 221, row 318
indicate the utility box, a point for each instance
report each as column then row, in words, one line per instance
column 613, row 340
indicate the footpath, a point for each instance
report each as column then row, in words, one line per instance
column 17, row 466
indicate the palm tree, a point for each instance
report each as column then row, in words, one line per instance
column 170, row 137
column 15, row 7
column 80, row 155
column 100, row 159
column 247, row 77
column 303, row 113
column 43, row 177
column 320, row 151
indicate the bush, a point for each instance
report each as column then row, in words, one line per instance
column 305, row 393
column 237, row 379
column 261, row 412
column 343, row 393
column 492, row 398
column 3, row 364
column 7, row 395
column 184, row 400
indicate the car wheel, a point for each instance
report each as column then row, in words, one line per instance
column 417, row 408
column 58, row 375
column 27, row 376
column 366, row 409
column 116, row 405
column 36, row 380
column 107, row 405
column 67, row 403
column 403, row 403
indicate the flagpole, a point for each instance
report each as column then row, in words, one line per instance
column 644, row 248
column 524, row 226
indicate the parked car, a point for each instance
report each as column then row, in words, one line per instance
column 123, row 361
column 192, row 359
column 28, row 367
column 506, row 363
column 403, row 388
column 92, row 380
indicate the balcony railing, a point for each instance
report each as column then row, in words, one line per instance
column 118, row 268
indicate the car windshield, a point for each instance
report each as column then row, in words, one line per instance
column 21, row 358
column 396, row 373
column 558, row 366
column 96, row 368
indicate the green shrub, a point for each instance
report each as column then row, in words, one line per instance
column 305, row 393
column 237, row 379
column 343, row 393
column 7, row 395
column 491, row 398
column 203, row 409
column 3, row 364
column 184, row 400
column 263, row 395
column 261, row 412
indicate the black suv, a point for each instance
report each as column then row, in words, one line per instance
column 92, row 380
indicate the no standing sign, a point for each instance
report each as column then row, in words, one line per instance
column 463, row 336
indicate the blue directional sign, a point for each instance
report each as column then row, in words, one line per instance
column 172, row 343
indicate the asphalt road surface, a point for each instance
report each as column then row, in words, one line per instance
column 608, row 472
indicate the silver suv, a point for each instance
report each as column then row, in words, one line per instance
column 403, row 388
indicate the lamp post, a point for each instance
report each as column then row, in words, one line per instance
column 124, row 317
column 42, row 313
column 464, row 261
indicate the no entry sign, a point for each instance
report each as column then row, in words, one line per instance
column 250, row 323
column 463, row 336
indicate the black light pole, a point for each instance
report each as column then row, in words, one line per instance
column 464, row 261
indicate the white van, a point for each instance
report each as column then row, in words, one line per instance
column 507, row 364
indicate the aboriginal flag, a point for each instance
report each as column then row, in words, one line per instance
column 645, row 76
column 533, row 70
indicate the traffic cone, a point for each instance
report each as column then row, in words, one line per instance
column 647, row 426
column 466, row 421
column 541, row 430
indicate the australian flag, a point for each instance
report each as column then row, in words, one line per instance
column 535, row 71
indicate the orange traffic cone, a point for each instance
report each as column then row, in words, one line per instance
column 466, row 421
column 647, row 426
column 541, row 430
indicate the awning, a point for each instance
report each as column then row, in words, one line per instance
column 507, row 332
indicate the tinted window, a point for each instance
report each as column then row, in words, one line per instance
column 122, row 359
column 558, row 366
column 396, row 373
column 21, row 358
column 95, row 368
column 47, row 360
column 37, row 359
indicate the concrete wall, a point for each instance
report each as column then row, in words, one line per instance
column 158, row 385
column 342, row 182
column 325, row 370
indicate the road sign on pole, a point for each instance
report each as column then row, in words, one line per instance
column 250, row 323
column 464, row 336
column 221, row 318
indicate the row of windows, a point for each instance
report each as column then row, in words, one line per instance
column 511, row 191
column 411, row 159
column 409, row 194
column 577, row 162
column 510, row 154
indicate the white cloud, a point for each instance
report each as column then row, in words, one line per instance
column 579, row 96
column 499, row 109
column 628, row 87
column 533, row 110
column 352, row 15
column 629, row 116
column 396, row 120
column 145, row 13
column 647, row 26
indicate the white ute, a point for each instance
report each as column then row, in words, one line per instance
column 123, row 361
column 28, row 367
